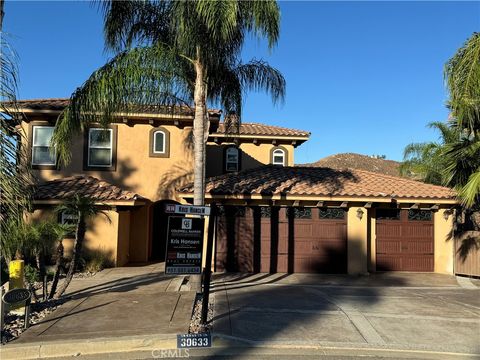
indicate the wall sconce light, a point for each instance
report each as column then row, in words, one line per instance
column 447, row 213
column 360, row 214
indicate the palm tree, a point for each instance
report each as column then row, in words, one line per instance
column 14, row 175
column 83, row 208
column 462, row 74
column 426, row 161
column 174, row 53
column 59, row 233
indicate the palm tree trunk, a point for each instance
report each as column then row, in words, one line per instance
column 198, row 136
column 199, row 150
column 2, row 13
column 58, row 266
column 40, row 257
column 77, row 249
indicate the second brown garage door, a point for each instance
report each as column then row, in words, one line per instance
column 269, row 239
column 404, row 240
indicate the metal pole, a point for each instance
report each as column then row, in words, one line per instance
column 27, row 314
column 2, row 309
column 208, row 263
column 45, row 289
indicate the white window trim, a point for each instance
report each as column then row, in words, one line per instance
column 237, row 163
column 66, row 216
column 33, row 146
column 283, row 157
column 155, row 142
column 100, row 147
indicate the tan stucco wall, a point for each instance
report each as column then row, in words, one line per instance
column 253, row 155
column 152, row 177
column 102, row 235
column 357, row 235
column 444, row 245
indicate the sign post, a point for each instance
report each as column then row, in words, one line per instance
column 184, row 245
column 208, row 263
column 17, row 296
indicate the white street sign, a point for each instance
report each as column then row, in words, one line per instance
column 187, row 209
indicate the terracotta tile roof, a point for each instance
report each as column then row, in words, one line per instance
column 320, row 181
column 58, row 104
column 359, row 161
column 88, row 186
column 261, row 129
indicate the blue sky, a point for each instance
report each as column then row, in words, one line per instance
column 363, row 77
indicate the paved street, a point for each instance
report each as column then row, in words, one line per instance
column 118, row 302
column 403, row 311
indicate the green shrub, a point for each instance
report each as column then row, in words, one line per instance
column 3, row 271
column 31, row 274
column 96, row 261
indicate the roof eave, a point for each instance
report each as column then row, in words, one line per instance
column 377, row 199
column 136, row 202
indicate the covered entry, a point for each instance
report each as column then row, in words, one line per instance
column 405, row 240
column 287, row 239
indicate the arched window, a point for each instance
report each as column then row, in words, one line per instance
column 232, row 159
column 159, row 142
column 279, row 157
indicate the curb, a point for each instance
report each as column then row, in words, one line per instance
column 87, row 347
column 73, row 348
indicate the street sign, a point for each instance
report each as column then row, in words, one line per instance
column 187, row 209
column 16, row 296
column 184, row 245
column 194, row 340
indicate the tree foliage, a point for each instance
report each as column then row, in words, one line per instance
column 14, row 175
column 426, row 161
column 168, row 52
column 462, row 74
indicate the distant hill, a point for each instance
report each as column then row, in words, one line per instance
column 359, row 161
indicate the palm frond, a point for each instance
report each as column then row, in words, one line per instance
column 15, row 180
column 144, row 76
column 462, row 75
column 470, row 192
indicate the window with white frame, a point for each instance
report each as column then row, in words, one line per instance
column 42, row 152
column 100, row 147
column 232, row 158
column 159, row 142
column 278, row 157
column 68, row 218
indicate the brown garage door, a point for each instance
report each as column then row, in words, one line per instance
column 272, row 239
column 404, row 240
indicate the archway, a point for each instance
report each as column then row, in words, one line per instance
column 159, row 229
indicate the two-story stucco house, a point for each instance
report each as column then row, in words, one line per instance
column 275, row 217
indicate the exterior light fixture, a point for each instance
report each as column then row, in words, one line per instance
column 447, row 213
column 360, row 214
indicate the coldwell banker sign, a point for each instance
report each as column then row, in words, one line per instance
column 184, row 245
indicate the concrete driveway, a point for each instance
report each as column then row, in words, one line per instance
column 116, row 302
column 403, row 311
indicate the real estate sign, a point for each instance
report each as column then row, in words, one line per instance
column 184, row 245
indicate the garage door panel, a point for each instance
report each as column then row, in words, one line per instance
column 405, row 244
column 315, row 245
column 418, row 247
column 328, row 230
column 391, row 229
column 417, row 263
column 389, row 246
column 389, row 263
column 303, row 230
column 418, row 231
